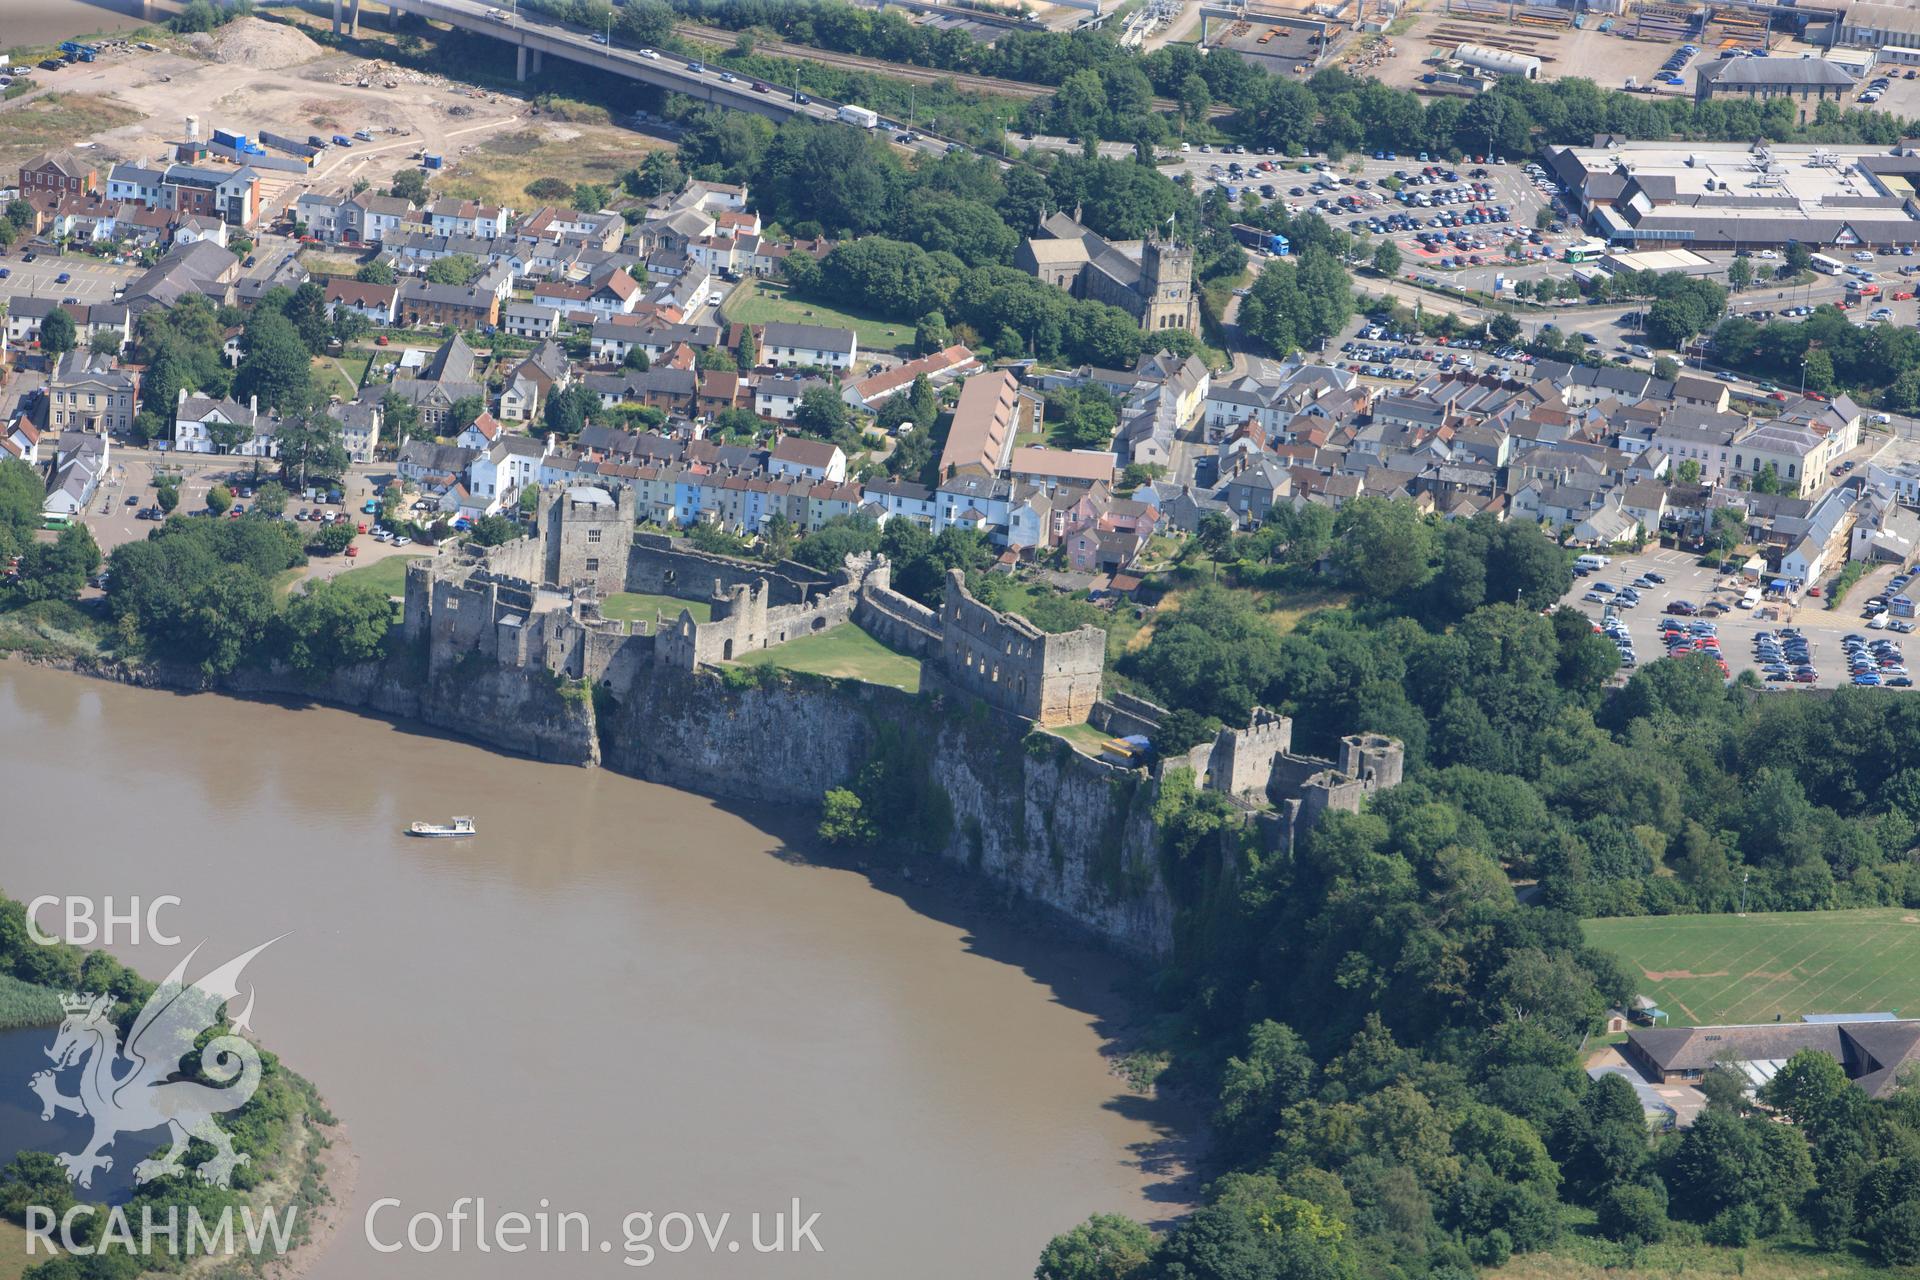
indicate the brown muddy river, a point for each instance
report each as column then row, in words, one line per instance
column 51, row 21
column 617, row 998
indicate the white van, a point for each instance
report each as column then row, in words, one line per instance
column 1591, row 562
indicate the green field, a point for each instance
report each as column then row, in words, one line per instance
column 638, row 606
column 1731, row 969
column 757, row 302
column 388, row 576
column 845, row 651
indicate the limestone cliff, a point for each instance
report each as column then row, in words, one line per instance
column 1027, row 811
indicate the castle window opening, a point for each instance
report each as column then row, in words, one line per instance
column 593, row 564
column 593, row 535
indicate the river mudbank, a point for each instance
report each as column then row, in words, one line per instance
column 781, row 1029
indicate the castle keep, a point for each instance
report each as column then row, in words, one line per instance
column 535, row 603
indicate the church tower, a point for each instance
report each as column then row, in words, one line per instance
column 1166, row 286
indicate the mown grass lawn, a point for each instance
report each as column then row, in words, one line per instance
column 639, row 606
column 1731, row 969
column 1086, row 739
column 844, row 651
column 388, row 576
column 758, row 301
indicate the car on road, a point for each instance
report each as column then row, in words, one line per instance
column 65, row 277
column 650, row 55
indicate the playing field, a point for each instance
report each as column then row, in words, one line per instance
column 1731, row 969
column 845, row 651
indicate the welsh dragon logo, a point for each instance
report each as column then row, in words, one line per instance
column 133, row 1089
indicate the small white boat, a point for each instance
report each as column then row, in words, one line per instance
column 458, row 827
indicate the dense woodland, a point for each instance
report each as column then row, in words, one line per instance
column 1389, row 1034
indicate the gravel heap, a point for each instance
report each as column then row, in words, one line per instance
column 255, row 43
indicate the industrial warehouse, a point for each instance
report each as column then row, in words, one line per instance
column 1734, row 195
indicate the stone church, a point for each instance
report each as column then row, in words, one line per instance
column 1150, row 280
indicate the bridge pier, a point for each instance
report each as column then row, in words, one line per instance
column 520, row 71
column 336, row 17
column 536, row 62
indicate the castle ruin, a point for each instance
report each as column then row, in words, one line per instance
column 535, row 603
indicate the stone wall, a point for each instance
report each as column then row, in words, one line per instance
column 1120, row 714
column 1013, row 665
column 899, row 621
column 659, row 565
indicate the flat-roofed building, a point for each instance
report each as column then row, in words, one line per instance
column 1729, row 196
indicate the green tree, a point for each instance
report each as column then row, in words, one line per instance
column 1797, row 257
column 57, row 570
column 1386, row 259
column 1107, row 1246
column 1276, row 1072
column 455, row 268
column 219, row 499
column 658, row 173
column 822, row 412
column 492, row 531
column 1688, row 472
column 1666, row 368
column 306, row 310
column 1503, row 327
column 105, row 342
column 1381, row 548
column 462, row 412
column 843, row 821
column 375, row 272
column 410, row 185
column 1818, row 368
column 57, row 333
column 270, row 499
column 637, row 359
column 931, row 334
column 276, row 366
column 746, row 354
column 1739, row 274
column 331, row 539
column 1633, row 1212
column 330, row 625
column 310, row 449
column 166, row 496
column 567, row 410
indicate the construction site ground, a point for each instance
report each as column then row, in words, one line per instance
column 261, row 77
column 1605, row 57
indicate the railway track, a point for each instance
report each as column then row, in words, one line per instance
column 899, row 70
